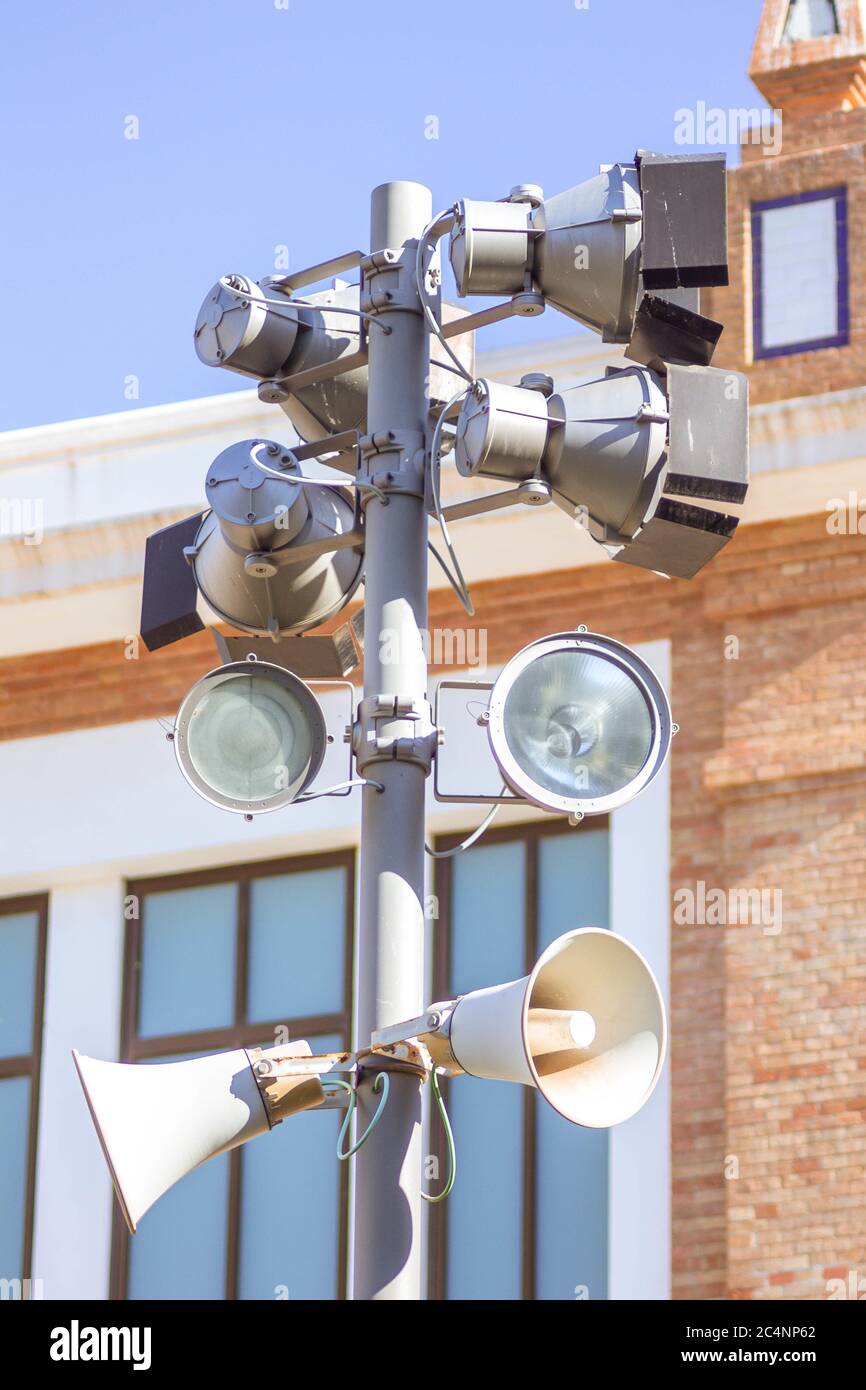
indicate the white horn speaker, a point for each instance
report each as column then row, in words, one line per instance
column 586, row 1027
column 157, row 1122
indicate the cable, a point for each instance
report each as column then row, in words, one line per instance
column 425, row 242
column 284, row 476
column 449, row 1140
column 461, row 588
column 470, row 839
column 289, row 303
column 442, row 564
column 339, row 787
column 382, row 1077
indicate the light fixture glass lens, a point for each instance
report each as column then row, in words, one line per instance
column 249, row 738
column 578, row 725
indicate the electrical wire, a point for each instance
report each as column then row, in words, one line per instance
column 340, row 787
column 459, row 584
column 449, row 1140
column 304, row 478
column 425, row 242
column 385, row 1086
column 470, row 839
column 289, row 303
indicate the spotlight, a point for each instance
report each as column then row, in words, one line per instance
column 250, row 737
column 660, row 223
column 586, row 1027
column 274, row 556
column 157, row 1122
column 578, row 723
column 609, row 448
column 258, row 330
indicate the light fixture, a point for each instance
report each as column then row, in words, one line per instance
column 245, row 557
column 250, row 737
column 610, row 447
column 258, row 330
column 309, row 353
column 586, row 1027
column 578, row 723
column 279, row 551
column 658, row 224
column 156, row 1123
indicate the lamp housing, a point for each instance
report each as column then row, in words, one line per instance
column 578, row 724
column 246, row 557
column 250, row 737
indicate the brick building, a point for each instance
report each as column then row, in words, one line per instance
column 741, row 873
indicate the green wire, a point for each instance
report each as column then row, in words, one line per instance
column 382, row 1083
column 449, row 1139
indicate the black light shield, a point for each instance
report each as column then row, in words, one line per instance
column 708, row 458
column 679, row 540
column 665, row 331
column 685, row 224
column 708, row 454
column 170, row 593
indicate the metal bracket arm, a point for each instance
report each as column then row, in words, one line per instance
column 314, row 273
column 525, row 304
column 532, row 494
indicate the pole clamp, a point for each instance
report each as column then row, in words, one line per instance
column 389, row 283
column 392, row 461
column 394, row 727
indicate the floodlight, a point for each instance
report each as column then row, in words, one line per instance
column 250, row 737
column 308, row 354
column 578, row 723
column 259, row 331
column 610, row 447
column 156, row 1123
column 245, row 557
column 660, row 223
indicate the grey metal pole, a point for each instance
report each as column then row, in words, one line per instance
column 386, row 1208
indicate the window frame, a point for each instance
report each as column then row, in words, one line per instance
column 531, row 833
column 30, row 1064
column 236, row 1034
column 842, row 337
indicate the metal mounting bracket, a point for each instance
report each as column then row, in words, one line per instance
column 526, row 304
column 534, row 493
column 393, row 727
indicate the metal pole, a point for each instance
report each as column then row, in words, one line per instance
column 386, row 1214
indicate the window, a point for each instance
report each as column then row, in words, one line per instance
column 23, row 926
column 528, row 1216
column 810, row 19
column 800, row 273
column 225, row 959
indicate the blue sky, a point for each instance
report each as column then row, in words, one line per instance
column 267, row 122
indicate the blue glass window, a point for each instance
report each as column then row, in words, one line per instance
column 245, row 958
column 22, row 967
column 528, row 1217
